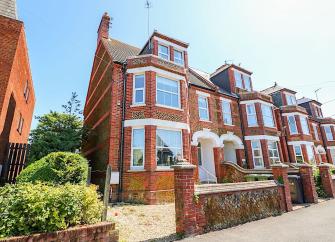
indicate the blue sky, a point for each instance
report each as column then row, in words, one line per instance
column 288, row 41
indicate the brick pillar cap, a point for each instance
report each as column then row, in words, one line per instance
column 303, row 165
column 183, row 165
column 325, row 165
column 279, row 164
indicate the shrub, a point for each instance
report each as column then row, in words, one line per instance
column 28, row 208
column 318, row 184
column 57, row 168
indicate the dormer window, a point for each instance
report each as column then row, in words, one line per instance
column 318, row 112
column 163, row 52
column 178, row 57
column 247, row 82
column 290, row 99
column 238, row 79
column 244, row 83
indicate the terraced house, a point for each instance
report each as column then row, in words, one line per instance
column 147, row 108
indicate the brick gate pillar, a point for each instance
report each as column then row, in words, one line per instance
column 194, row 161
column 326, row 179
column 186, row 220
column 308, row 184
column 279, row 171
column 218, row 159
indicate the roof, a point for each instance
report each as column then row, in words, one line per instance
column 8, row 8
column 275, row 88
column 120, row 51
column 201, row 79
column 306, row 100
column 227, row 66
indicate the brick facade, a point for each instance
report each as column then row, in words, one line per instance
column 220, row 132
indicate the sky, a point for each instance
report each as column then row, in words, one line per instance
column 291, row 42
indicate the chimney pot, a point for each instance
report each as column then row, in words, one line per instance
column 103, row 31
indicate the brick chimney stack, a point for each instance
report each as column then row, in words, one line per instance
column 103, row 30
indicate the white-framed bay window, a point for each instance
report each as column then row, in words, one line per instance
column 138, row 148
column 178, row 57
column 316, row 133
column 310, row 153
column 268, row 116
column 251, row 115
column 203, row 108
column 139, row 89
column 226, row 112
column 298, row 154
column 273, row 151
column 329, row 134
column 169, row 147
column 163, row 52
column 304, row 125
column 332, row 154
column 257, row 155
column 290, row 99
column 167, row 92
column 292, row 124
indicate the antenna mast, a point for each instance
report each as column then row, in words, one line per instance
column 148, row 5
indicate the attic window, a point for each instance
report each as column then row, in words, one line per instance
column 178, row 57
column 163, row 52
column 290, row 99
column 238, row 79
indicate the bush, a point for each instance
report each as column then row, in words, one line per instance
column 31, row 208
column 318, row 184
column 57, row 168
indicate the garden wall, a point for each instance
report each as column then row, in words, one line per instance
column 98, row 232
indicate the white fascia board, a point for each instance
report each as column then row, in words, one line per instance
column 168, row 43
column 204, row 94
column 259, row 137
column 157, row 70
column 331, row 125
column 294, row 113
column 225, row 99
column 256, row 101
column 156, row 122
column 300, row 143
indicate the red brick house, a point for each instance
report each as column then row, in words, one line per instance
column 17, row 97
column 147, row 108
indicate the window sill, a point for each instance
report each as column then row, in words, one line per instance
column 136, row 170
column 253, row 126
column 163, row 106
column 207, row 121
column 138, row 105
column 232, row 125
column 162, row 168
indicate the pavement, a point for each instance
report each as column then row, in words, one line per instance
column 314, row 223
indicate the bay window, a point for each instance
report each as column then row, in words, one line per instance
column 226, row 112
column 139, row 89
column 290, row 99
column 273, row 152
column 251, row 115
column 168, row 147
column 138, row 148
column 257, row 154
column 292, row 124
column 329, row 133
column 332, row 154
column 178, row 57
column 163, row 52
column 203, row 108
column 298, row 154
column 267, row 116
column 310, row 154
column 316, row 134
column 167, row 93
column 304, row 125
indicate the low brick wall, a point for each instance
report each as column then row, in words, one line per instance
column 98, row 232
column 226, row 205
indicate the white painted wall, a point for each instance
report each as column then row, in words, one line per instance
column 229, row 152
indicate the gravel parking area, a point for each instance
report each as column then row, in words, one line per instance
column 144, row 222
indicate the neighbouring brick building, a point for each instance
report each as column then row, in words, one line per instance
column 147, row 108
column 17, row 98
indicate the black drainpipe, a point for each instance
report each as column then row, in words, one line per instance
column 120, row 187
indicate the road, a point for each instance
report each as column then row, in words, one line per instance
column 313, row 223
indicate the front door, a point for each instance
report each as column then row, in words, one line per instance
column 229, row 152
column 206, row 161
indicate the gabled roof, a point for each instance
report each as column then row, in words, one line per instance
column 120, row 51
column 276, row 88
column 306, row 100
column 201, row 79
column 8, row 8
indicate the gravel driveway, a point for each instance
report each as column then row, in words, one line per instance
column 144, row 222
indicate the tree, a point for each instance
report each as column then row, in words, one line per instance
column 73, row 106
column 55, row 132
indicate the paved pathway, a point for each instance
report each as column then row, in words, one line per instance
column 314, row 223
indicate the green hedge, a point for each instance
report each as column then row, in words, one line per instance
column 56, row 168
column 31, row 208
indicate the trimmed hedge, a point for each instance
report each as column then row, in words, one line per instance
column 56, row 168
column 32, row 208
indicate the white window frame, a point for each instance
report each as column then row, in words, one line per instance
column 179, row 98
column 295, row 124
column 305, row 128
column 138, row 89
column 295, row 154
column 181, row 142
column 179, row 61
column 332, row 155
column 251, row 115
column 249, row 82
column 316, row 133
column 289, row 98
column 206, row 109
column 311, row 159
column 263, row 106
column 160, row 54
column 235, row 73
column 132, row 167
column 331, row 133
column 257, row 157
column 226, row 113
column 272, row 158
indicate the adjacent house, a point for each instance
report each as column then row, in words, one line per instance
column 17, row 97
column 147, row 108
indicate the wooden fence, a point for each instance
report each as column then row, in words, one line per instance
column 15, row 161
